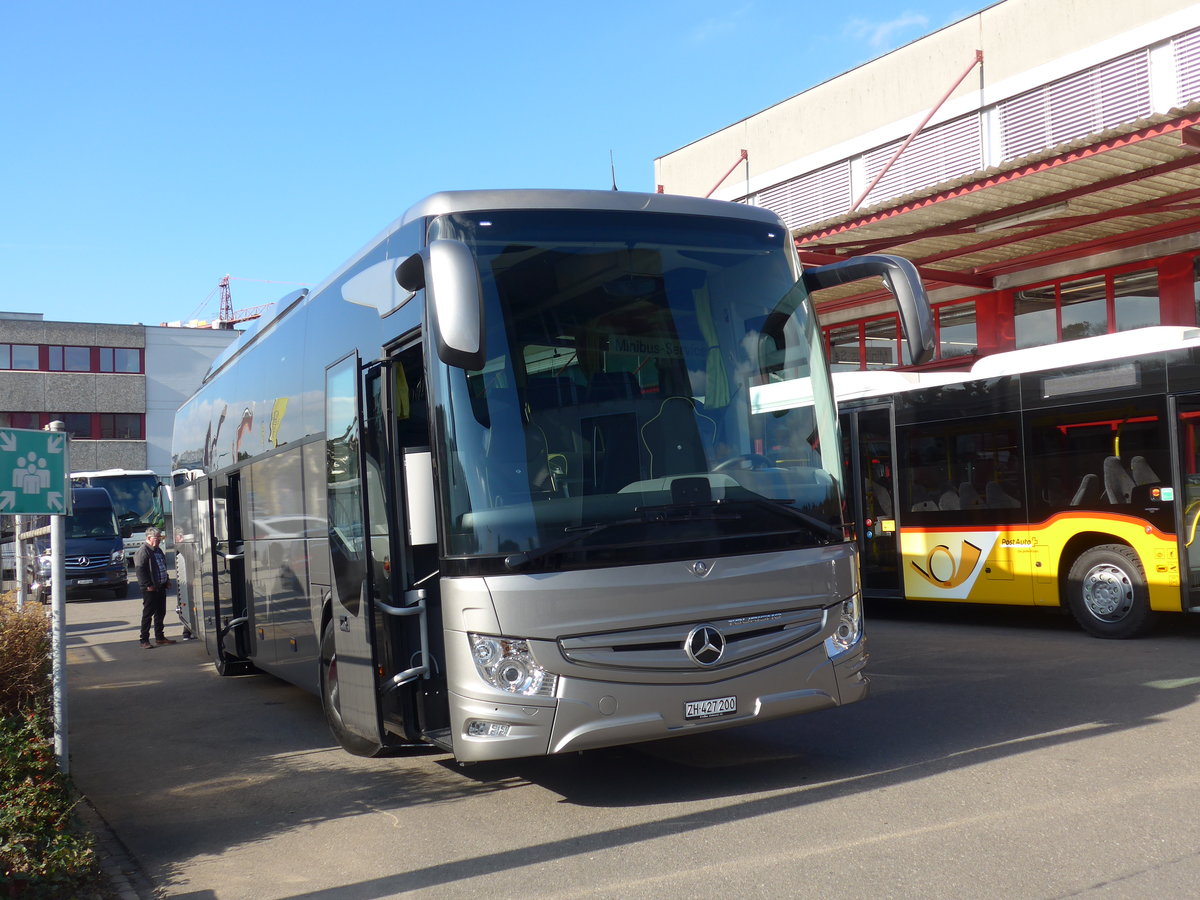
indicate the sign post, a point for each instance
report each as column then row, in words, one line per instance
column 34, row 480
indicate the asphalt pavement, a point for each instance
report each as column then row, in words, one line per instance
column 1002, row 754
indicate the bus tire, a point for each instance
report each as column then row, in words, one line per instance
column 1106, row 592
column 350, row 742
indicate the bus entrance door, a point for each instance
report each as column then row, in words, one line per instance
column 229, row 634
column 868, row 437
column 374, row 652
column 403, row 565
column 1187, row 415
column 349, row 690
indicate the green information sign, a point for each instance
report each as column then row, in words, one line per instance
column 34, row 473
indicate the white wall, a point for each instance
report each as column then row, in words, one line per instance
column 1025, row 43
column 176, row 360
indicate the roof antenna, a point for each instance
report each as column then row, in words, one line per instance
column 612, row 165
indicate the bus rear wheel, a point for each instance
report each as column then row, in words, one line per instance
column 331, row 700
column 1106, row 592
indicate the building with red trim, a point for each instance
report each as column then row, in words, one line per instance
column 1039, row 161
column 115, row 388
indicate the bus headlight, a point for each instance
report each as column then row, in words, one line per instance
column 506, row 664
column 848, row 630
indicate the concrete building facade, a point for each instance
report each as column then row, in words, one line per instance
column 1036, row 160
column 116, row 387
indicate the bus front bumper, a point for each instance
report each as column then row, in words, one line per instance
column 591, row 714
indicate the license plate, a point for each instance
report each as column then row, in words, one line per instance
column 702, row 709
column 83, row 581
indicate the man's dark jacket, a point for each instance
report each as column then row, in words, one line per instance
column 143, row 567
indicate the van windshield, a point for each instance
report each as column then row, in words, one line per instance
column 86, row 523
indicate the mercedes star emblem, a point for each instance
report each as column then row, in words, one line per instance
column 704, row 645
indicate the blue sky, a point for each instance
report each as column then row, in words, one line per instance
column 148, row 149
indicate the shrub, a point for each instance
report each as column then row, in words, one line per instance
column 24, row 656
column 43, row 851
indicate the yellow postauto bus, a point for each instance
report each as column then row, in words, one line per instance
column 1066, row 475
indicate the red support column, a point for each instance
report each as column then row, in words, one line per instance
column 1177, row 290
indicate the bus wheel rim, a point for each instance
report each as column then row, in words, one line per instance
column 1107, row 592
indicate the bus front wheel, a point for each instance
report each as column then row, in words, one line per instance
column 1106, row 592
column 331, row 700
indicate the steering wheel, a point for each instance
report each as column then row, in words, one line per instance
column 744, row 461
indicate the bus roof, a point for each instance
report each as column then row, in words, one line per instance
column 447, row 202
column 849, row 385
column 1121, row 345
column 113, row 473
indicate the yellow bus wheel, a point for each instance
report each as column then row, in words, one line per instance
column 1106, row 592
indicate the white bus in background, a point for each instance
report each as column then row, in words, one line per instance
column 139, row 499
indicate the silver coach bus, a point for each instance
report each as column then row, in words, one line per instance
column 534, row 472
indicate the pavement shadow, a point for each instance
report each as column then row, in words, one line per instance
column 187, row 764
column 184, row 763
column 950, row 688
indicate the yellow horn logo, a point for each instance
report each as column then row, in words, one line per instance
column 941, row 569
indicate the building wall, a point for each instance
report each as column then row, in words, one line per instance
column 175, row 360
column 1025, row 43
column 1052, row 72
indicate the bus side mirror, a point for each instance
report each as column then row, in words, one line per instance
column 454, row 298
column 901, row 278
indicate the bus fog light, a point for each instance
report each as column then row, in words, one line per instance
column 506, row 664
column 476, row 728
column 848, row 630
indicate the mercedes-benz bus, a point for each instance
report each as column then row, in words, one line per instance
column 1058, row 476
column 501, row 484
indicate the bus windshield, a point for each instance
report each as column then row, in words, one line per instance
column 653, row 388
column 134, row 497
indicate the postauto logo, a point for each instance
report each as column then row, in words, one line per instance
column 951, row 563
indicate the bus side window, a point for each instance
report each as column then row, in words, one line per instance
column 956, row 468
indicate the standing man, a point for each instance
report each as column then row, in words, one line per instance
column 150, row 567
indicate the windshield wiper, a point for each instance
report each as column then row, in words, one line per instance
column 834, row 532
column 784, row 508
column 576, row 533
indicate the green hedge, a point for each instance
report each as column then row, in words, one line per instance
column 44, row 851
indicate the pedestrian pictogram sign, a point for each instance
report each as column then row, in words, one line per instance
column 34, row 473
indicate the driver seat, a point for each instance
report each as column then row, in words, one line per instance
column 515, row 451
column 679, row 438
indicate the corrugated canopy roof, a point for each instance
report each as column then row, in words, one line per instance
column 1127, row 186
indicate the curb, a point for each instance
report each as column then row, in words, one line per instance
column 125, row 876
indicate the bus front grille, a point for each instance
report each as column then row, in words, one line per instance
column 664, row 647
